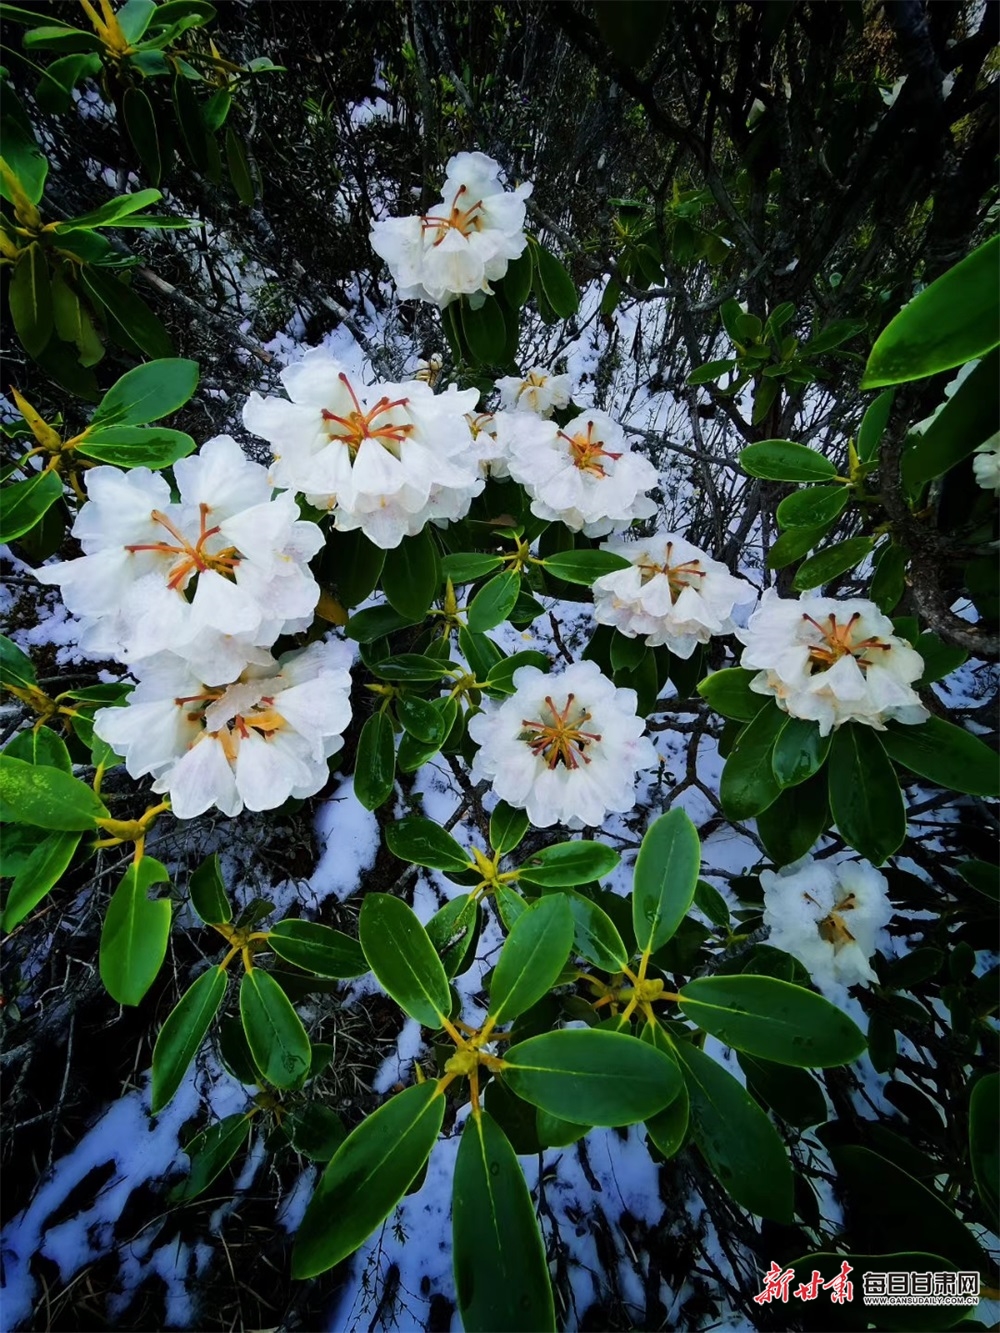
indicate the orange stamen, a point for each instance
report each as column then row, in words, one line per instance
column 560, row 741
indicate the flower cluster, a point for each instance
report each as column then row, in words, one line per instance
column 830, row 917
column 566, row 748
column 832, row 662
column 540, row 392
column 464, row 242
column 385, row 458
column 584, row 475
column 672, row 594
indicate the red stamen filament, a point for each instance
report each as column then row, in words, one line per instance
column 838, row 643
column 360, row 425
column 586, row 451
column 464, row 220
column 560, row 741
column 194, row 558
column 678, row 576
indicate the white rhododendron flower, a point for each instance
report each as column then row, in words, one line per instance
column 539, row 391
column 832, row 661
column 830, row 917
column 986, row 464
column 252, row 743
column 565, row 747
column 215, row 577
column 386, row 458
column 673, row 593
column 463, row 243
column 584, row 475
column 491, row 453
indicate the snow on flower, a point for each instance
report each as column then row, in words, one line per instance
column 673, row 593
column 253, row 743
column 463, row 243
column 539, row 391
column 565, row 747
column 986, row 464
column 386, row 458
column 832, row 662
column 830, row 917
column 214, row 577
column 584, row 475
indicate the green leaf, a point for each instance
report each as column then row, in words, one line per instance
column 353, row 565
column 119, row 207
column 315, row 1131
column 984, row 1138
column 800, row 815
column 30, row 299
column 187, row 109
column 147, row 393
column 783, row 460
column 16, row 667
column 865, row 800
column 566, row 864
column 129, row 319
column 485, row 331
column 711, row 370
column 500, row 678
column 410, row 575
column 626, row 653
column 40, row 873
column 668, row 1128
column 945, row 754
column 789, row 1092
column 494, row 601
column 873, row 424
column 40, row 746
column 424, row 843
column 135, row 934
column 183, row 1032
column 729, row 693
column 799, row 752
column 748, row 783
column 940, row 658
column 739, row 1143
column 210, row 1152
column 467, row 567
column 952, row 321
column 59, row 38
column 794, row 544
column 25, row 502
column 46, row 797
column 135, row 446
column 413, row 667
column 711, row 902
column 239, row 167
column 318, row 948
column 773, row 1019
column 584, row 566
column 403, row 959
column 481, row 653
column 374, row 622
column 816, row 507
column 889, row 582
column 532, row 957
column 370, row 1172
column 666, row 874
column 595, row 936
column 375, row 766
column 454, row 931
column 420, row 719
column 208, row 893
column 507, row 827
column 501, row 1273
column 840, row 331
column 841, row 1318
column 618, row 1079
column 140, row 122
column 967, row 419
column 831, row 561
column 20, row 147
column 274, row 1031
column 558, row 286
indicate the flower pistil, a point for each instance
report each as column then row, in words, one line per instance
column 560, row 740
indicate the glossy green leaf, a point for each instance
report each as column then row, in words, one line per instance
column 617, row 1078
column 865, row 800
column 413, row 667
column 135, row 934
column 666, row 874
column 873, row 424
column 184, row 1030
column 30, row 299
column 129, row 320
column 40, row 746
column 517, row 280
column 954, row 320
column 274, row 1031
column 374, row 622
column 501, row 675
column 187, row 109
column 791, row 825
column 20, row 147
column 40, row 873
column 711, row 902
column 136, row 446
column 967, row 419
column 315, row 1131
column 208, row 893
column 710, row 371
column 945, row 754
column 748, row 783
column 984, row 1141
column 940, row 658
column 557, row 284
column 889, row 580
column 420, row 719
column 507, row 827
column 239, row 167
column 595, row 936
column 16, row 667
column 317, row 948
column 411, row 574
column 147, row 393
column 584, row 567
column 425, row 843
column 799, row 752
column 831, row 561
column 115, row 209
column 210, row 1152
column 46, row 797
column 454, row 931
column 739, row 1143
column 403, row 959
column 566, row 864
column 485, row 332
column 668, row 1129
column 794, row 544
column 494, row 601
column 532, row 957
column 789, row 1092
column 729, row 693
column 481, row 653
column 375, row 765
column 24, row 504
column 140, row 122
column 501, row 1273
column 369, row 1174
column 783, row 460
column 773, row 1019
column 466, row 568
column 817, row 506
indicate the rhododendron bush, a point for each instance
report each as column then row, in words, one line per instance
column 649, row 524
